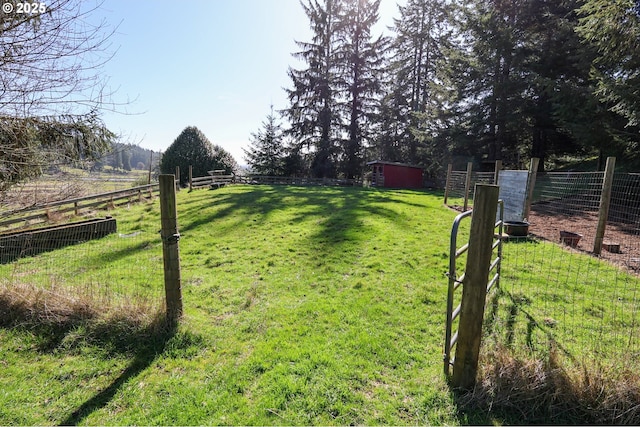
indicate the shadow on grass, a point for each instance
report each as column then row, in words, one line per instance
column 550, row 387
column 150, row 343
column 59, row 324
column 338, row 209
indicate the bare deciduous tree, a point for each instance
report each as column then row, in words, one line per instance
column 51, row 86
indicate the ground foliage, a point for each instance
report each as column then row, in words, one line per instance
column 302, row 306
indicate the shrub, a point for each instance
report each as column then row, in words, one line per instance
column 193, row 148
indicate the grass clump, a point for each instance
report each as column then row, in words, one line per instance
column 517, row 389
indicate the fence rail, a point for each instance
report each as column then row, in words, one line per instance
column 211, row 181
column 40, row 213
column 289, row 180
column 215, row 181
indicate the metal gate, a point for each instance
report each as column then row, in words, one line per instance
column 455, row 280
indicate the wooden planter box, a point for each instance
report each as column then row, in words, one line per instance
column 18, row 244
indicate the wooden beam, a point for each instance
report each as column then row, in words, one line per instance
column 474, row 286
column 170, row 247
column 605, row 202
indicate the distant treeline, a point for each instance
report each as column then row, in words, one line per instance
column 126, row 157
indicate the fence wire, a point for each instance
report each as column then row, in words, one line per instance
column 569, row 203
column 106, row 269
column 566, row 202
column 556, row 292
column 556, row 297
column 456, row 186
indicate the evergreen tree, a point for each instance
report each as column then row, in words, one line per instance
column 489, row 89
column 118, row 163
column 360, row 78
column 528, row 92
column 192, row 148
column 418, row 93
column 265, row 155
column 296, row 163
column 312, row 112
column 612, row 28
column 126, row 160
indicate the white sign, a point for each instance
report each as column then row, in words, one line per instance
column 513, row 191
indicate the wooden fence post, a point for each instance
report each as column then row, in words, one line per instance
column 190, row 178
column 170, row 247
column 177, row 185
column 605, row 202
column 531, row 184
column 448, row 183
column 474, row 285
column 150, row 163
column 496, row 172
column 467, row 186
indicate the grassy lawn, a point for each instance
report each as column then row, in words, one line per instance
column 302, row 306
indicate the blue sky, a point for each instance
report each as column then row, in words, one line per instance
column 217, row 65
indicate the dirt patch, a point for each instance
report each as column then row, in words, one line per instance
column 547, row 224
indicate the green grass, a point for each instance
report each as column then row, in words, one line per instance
column 302, row 306
column 584, row 307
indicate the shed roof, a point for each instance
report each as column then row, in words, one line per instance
column 382, row 162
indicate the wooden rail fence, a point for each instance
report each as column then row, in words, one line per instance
column 216, row 181
column 40, row 213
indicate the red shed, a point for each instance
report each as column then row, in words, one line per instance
column 395, row 175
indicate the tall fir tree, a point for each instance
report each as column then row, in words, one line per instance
column 418, row 90
column 565, row 115
column 490, row 90
column 363, row 58
column 612, row 28
column 312, row 112
column 527, row 92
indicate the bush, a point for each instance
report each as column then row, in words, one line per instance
column 193, row 148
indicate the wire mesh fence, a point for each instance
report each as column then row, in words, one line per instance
column 565, row 207
column 558, row 291
column 557, row 298
column 103, row 267
column 458, row 195
column 456, row 187
column 567, row 204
